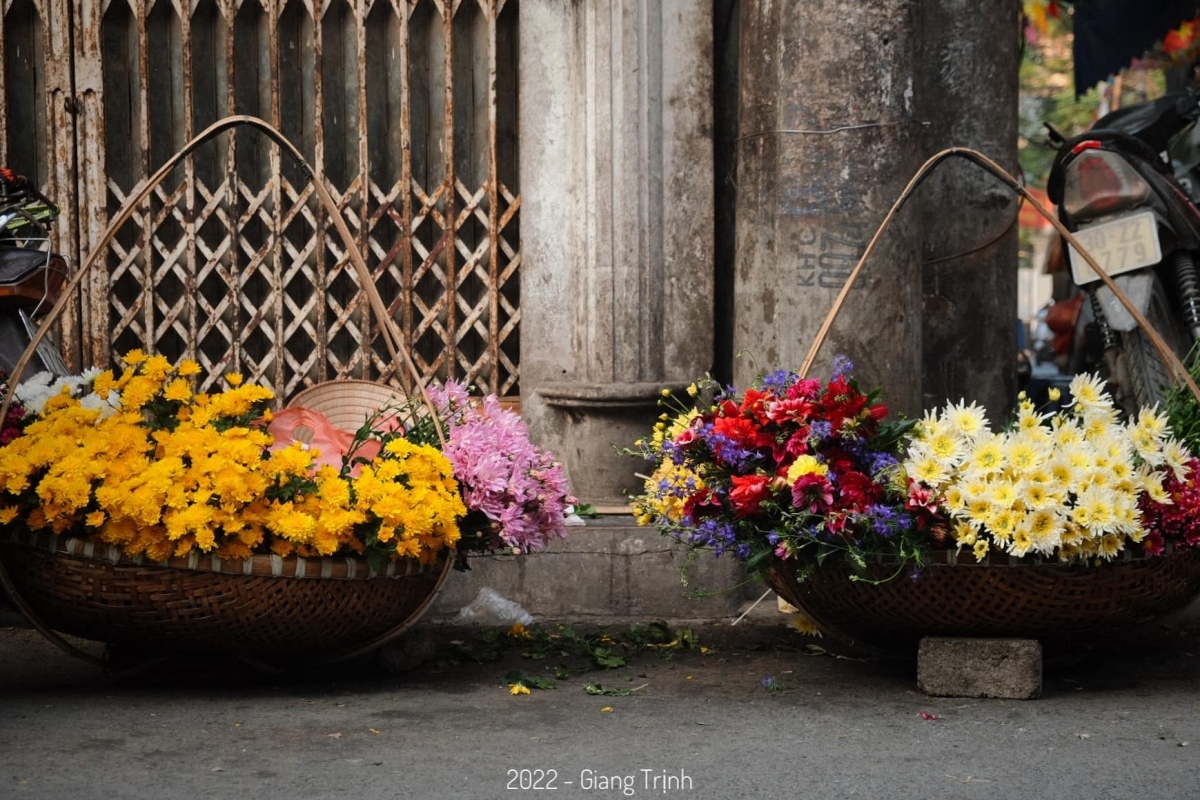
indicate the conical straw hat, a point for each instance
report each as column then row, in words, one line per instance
column 348, row 403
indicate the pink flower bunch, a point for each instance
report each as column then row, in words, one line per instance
column 519, row 487
column 1179, row 522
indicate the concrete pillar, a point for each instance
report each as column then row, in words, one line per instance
column 827, row 140
column 616, row 223
column 969, row 96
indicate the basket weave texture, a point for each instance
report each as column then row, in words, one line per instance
column 262, row 607
column 1045, row 601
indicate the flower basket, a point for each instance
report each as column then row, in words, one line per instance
column 262, row 607
column 1061, row 604
column 1067, row 523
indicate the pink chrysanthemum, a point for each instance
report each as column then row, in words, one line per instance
column 503, row 474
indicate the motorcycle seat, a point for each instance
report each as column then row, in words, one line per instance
column 18, row 263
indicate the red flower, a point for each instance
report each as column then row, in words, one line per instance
column 742, row 431
column 807, row 389
column 790, row 410
column 702, row 504
column 857, row 490
column 748, row 493
column 812, row 491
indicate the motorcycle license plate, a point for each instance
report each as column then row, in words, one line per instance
column 1120, row 245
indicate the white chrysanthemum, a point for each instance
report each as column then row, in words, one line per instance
column 947, row 445
column 967, row 420
column 1003, row 524
column 1024, row 454
column 986, row 455
column 928, row 469
column 1045, row 529
column 1003, row 494
column 1021, row 542
column 1147, row 446
column 1094, row 509
column 929, row 426
column 1110, row 544
column 1152, row 482
column 1152, row 421
column 1087, row 392
column 106, row 406
column 1176, row 458
column 953, row 499
column 1037, row 495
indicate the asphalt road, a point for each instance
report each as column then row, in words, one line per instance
column 1122, row 723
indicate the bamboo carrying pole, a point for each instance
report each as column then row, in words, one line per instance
column 391, row 335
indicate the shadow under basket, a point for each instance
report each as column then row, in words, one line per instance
column 1059, row 604
column 263, row 607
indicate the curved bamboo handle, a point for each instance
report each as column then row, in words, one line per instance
column 1165, row 353
column 391, row 335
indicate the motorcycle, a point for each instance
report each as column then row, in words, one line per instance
column 31, row 280
column 1119, row 193
column 31, row 276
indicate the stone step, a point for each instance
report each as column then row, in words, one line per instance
column 608, row 569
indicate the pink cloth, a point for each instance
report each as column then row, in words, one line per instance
column 314, row 429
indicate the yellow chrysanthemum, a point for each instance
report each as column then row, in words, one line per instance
column 981, row 550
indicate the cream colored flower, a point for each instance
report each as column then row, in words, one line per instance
column 967, row 420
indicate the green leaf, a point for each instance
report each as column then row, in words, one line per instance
column 520, row 678
column 563, row 672
column 602, row 657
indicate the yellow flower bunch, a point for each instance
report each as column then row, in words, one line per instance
column 144, row 463
column 1064, row 485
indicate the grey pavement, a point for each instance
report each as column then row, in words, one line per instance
column 1122, row 721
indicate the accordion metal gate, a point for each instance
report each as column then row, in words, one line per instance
column 406, row 109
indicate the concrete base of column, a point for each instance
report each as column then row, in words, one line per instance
column 589, row 423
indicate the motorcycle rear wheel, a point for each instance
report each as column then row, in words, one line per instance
column 1148, row 378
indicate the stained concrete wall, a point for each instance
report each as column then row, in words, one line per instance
column 827, row 140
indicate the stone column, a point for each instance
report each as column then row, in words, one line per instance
column 827, row 140
column 616, row 224
column 972, row 63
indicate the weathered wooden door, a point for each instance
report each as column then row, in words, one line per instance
column 407, row 110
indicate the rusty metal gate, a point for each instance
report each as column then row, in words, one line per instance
column 407, row 109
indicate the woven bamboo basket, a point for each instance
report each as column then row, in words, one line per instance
column 1060, row 604
column 266, row 606
column 263, row 607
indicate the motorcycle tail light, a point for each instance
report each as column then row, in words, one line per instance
column 1099, row 182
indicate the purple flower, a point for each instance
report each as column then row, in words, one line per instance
column 842, row 367
column 779, row 381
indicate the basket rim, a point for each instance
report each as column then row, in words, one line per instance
column 346, row 568
column 962, row 557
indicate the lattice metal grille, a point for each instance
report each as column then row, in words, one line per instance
column 405, row 108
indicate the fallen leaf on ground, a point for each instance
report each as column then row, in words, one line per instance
column 334, row 735
column 606, row 709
